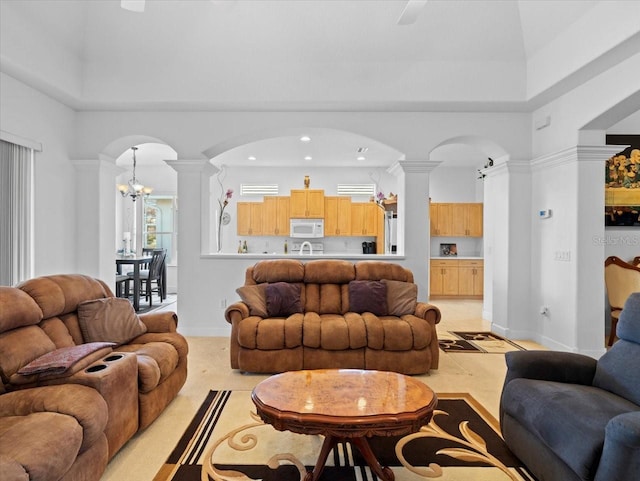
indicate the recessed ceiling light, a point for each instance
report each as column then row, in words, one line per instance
column 251, row 157
column 305, row 138
column 308, row 157
column 361, row 157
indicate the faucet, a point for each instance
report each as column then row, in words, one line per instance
column 303, row 245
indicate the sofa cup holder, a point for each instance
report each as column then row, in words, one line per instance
column 113, row 357
column 96, row 368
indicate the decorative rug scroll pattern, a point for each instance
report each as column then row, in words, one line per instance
column 462, row 442
column 476, row 341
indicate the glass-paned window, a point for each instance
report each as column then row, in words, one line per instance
column 159, row 224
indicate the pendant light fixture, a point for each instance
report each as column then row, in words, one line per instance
column 134, row 189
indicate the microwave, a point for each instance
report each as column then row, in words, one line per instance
column 307, row 228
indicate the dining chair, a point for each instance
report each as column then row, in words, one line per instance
column 153, row 274
column 621, row 279
column 636, row 261
column 122, row 280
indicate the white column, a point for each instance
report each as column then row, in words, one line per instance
column 507, row 248
column 191, row 287
column 590, row 248
column 414, row 236
column 95, row 214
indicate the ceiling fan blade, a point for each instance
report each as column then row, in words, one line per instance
column 133, row 5
column 411, row 11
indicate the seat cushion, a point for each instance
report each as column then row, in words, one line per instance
column 46, row 444
column 156, row 362
column 270, row 333
column 334, row 332
column 569, row 419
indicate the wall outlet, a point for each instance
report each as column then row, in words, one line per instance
column 544, row 310
column 223, row 303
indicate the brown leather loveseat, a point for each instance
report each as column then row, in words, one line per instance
column 68, row 400
column 331, row 314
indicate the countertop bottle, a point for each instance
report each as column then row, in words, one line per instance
column 245, row 250
column 240, row 247
column 286, row 247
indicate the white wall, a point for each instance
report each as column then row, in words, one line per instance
column 30, row 114
column 562, row 183
column 573, row 111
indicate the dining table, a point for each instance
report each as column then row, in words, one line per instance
column 136, row 261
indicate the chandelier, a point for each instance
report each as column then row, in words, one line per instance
column 134, row 189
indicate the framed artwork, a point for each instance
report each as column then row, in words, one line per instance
column 622, row 186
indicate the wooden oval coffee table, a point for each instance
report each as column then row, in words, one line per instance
column 345, row 405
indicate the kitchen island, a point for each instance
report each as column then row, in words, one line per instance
column 216, row 276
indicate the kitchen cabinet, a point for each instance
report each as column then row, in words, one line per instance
column 470, row 278
column 366, row 219
column 456, row 278
column 473, row 220
column 307, row 204
column 250, row 218
column 276, row 216
column 456, row 219
column 337, row 216
column 444, row 278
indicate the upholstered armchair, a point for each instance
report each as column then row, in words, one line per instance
column 621, row 279
column 569, row 417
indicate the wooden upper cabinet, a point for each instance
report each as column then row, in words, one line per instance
column 307, row 203
column 337, row 216
column 276, row 216
column 441, row 219
column 250, row 218
column 456, row 219
column 474, row 220
column 365, row 218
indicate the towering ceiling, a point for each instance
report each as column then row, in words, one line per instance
column 312, row 54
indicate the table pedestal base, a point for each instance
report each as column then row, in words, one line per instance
column 385, row 474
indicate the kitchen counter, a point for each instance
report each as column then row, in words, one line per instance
column 378, row 257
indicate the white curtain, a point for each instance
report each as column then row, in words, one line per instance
column 16, row 214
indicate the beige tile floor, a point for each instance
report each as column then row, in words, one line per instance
column 139, row 460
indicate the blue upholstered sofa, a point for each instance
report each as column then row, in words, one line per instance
column 569, row 417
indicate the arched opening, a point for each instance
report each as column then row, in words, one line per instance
column 465, row 225
column 279, row 160
column 150, row 220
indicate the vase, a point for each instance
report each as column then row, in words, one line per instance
column 218, row 232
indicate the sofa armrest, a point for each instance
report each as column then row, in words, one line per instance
column 236, row 309
column 177, row 340
column 160, row 321
column 555, row 366
column 82, row 403
column 621, row 453
column 428, row 312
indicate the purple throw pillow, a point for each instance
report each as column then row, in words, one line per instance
column 283, row 299
column 368, row 296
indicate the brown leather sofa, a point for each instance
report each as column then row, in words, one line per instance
column 66, row 423
column 336, row 315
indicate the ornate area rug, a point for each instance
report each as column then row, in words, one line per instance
column 462, row 442
column 476, row 341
